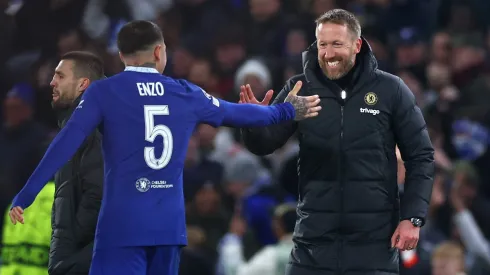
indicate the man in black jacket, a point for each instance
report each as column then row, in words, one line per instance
column 78, row 184
column 350, row 219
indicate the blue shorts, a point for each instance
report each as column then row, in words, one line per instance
column 142, row 260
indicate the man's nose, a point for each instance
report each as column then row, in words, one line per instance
column 329, row 53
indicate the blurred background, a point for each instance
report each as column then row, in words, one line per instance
column 240, row 205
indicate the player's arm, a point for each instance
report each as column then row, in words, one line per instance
column 416, row 151
column 250, row 115
column 84, row 120
column 218, row 112
column 265, row 140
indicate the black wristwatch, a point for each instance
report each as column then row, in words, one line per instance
column 417, row 222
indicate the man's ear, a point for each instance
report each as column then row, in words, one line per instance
column 122, row 58
column 157, row 52
column 358, row 45
column 83, row 84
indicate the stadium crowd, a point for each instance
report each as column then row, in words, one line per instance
column 240, row 207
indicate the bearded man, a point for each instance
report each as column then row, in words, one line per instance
column 350, row 219
column 79, row 183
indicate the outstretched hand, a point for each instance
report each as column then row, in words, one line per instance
column 305, row 106
column 16, row 214
column 247, row 96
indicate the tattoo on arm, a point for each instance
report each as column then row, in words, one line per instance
column 300, row 104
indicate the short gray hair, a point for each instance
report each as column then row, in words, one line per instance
column 341, row 17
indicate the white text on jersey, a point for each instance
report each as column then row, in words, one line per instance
column 150, row 89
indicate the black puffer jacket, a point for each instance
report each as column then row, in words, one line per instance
column 76, row 206
column 349, row 205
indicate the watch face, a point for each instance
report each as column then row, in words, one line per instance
column 416, row 222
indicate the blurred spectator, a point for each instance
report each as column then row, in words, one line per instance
column 430, row 234
column 182, row 59
column 193, row 259
column 198, row 168
column 229, row 52
column 256, row 74
column 469, row 216
column 441, row 48
column 206, row 212
column 201, row 73
column 244, row 174
column 268, row 24
column 448, row 259
column 411, row 52
column 271, row 259
column 22, row 142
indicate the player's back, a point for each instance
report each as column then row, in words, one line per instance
column 147, row 122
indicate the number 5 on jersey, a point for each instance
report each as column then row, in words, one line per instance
column 152, row 131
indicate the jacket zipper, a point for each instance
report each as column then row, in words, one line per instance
column 343, row 96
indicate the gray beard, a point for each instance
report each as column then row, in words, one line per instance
column 348, row 66
column 339, row 76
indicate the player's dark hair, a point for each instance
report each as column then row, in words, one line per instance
column 86, row 64
column 138, row 35
column 341, row 17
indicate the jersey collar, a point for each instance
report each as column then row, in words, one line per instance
column 141, row 69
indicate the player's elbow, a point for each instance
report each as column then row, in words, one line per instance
column 416, row 146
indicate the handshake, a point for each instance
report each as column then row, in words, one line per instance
column 305, row 106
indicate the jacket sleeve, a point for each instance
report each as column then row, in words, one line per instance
column 416, row 150
column 265, row 140
column 91, row 176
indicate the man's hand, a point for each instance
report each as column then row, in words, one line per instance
column 16, row 215
column 406, row 236
column 247, row 96
column 305, row 106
